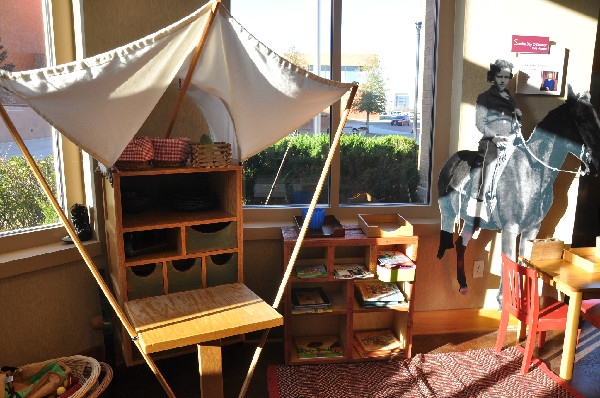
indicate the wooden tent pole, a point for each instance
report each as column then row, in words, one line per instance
column 192, row 68
column 88, row 260
column 290, row 266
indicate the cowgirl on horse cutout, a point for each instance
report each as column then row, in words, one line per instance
column 508, row 183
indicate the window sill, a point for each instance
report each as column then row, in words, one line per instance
column 44, row 256
column 271, row 230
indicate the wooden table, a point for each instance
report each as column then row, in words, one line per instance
column 573, row 281
column 200, row 316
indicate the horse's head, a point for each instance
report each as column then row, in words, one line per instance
column 588, row 129
column 577, row 121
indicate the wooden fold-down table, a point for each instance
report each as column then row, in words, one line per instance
column 200, row 317
column 573, row 281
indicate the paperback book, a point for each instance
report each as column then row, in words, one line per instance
column 391, row 259
column 351, row 271
column 309, row 299
column 379, row 294
column 311, row 271
column 318, row 347
column 377, row 343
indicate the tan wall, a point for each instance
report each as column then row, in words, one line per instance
column 47, row 314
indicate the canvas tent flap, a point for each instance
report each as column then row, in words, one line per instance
column 249, row 95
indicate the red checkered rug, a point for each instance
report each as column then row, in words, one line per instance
column 478, row 373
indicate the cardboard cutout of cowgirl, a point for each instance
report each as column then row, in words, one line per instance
column 497, row 118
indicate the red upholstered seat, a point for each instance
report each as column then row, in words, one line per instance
column 520, row 299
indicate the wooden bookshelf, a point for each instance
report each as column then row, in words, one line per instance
column 346, row 316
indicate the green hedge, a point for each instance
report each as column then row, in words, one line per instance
column 23, row 203
column 383, row 167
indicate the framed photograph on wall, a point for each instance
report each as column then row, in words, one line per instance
column 541, row 74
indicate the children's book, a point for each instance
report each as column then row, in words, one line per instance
column 311, row 271
column 318, row 347
column 377, row 342
column 351, row 271
column 309, row 297
column 390, row 259
column 379, row 294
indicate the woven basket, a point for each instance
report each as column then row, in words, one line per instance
column 211, row 155
column 137, row 155
column 170, row 152
column 88, row 371
column 124, row 165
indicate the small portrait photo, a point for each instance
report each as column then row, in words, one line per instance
column 549, row 81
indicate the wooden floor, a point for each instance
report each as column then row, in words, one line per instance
column 182, row 375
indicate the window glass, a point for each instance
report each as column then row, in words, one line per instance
column 379, row 150
column 23, row 46
column 287, row 173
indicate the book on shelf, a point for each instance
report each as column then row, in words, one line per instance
column 318, row 347
column 311, row 271
column 308, row 298
column 393, row 258
column 304, row 310
column 351, row 271
column 377, row 343
column 375, row 294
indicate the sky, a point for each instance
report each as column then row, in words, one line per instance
column 383, row 27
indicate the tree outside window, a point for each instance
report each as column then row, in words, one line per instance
column 371, row 97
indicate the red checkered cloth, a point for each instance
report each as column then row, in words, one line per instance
column 139, row 149
column 171, row 149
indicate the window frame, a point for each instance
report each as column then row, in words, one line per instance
column 59, row 23
column 276, row 216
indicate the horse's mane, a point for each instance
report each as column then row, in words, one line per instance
column 557, row 116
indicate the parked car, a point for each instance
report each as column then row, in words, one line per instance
column 401, row 121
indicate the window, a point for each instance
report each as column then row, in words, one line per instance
column 287, row 173
column 378, row 49
column 380, row 159
column 24, row 44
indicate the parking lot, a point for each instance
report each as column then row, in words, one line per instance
column 379, row 127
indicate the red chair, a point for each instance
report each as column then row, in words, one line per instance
column 590, row 312
column 520, row 299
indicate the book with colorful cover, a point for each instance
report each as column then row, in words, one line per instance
column 311, row 271
column 393, row 258
column 309, row 297
column 379, row 294
column 305, row 310
column 351, row 271
column 318, row 347
column 374, row 354
column 379, row 291
column 377, row 343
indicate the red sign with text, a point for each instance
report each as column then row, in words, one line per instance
column 530, row 44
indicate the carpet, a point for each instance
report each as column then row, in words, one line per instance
column 477, row 373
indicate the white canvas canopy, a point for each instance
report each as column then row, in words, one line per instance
column 249, row 96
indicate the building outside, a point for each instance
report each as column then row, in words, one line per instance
column 351, row 65
column 400, row 101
